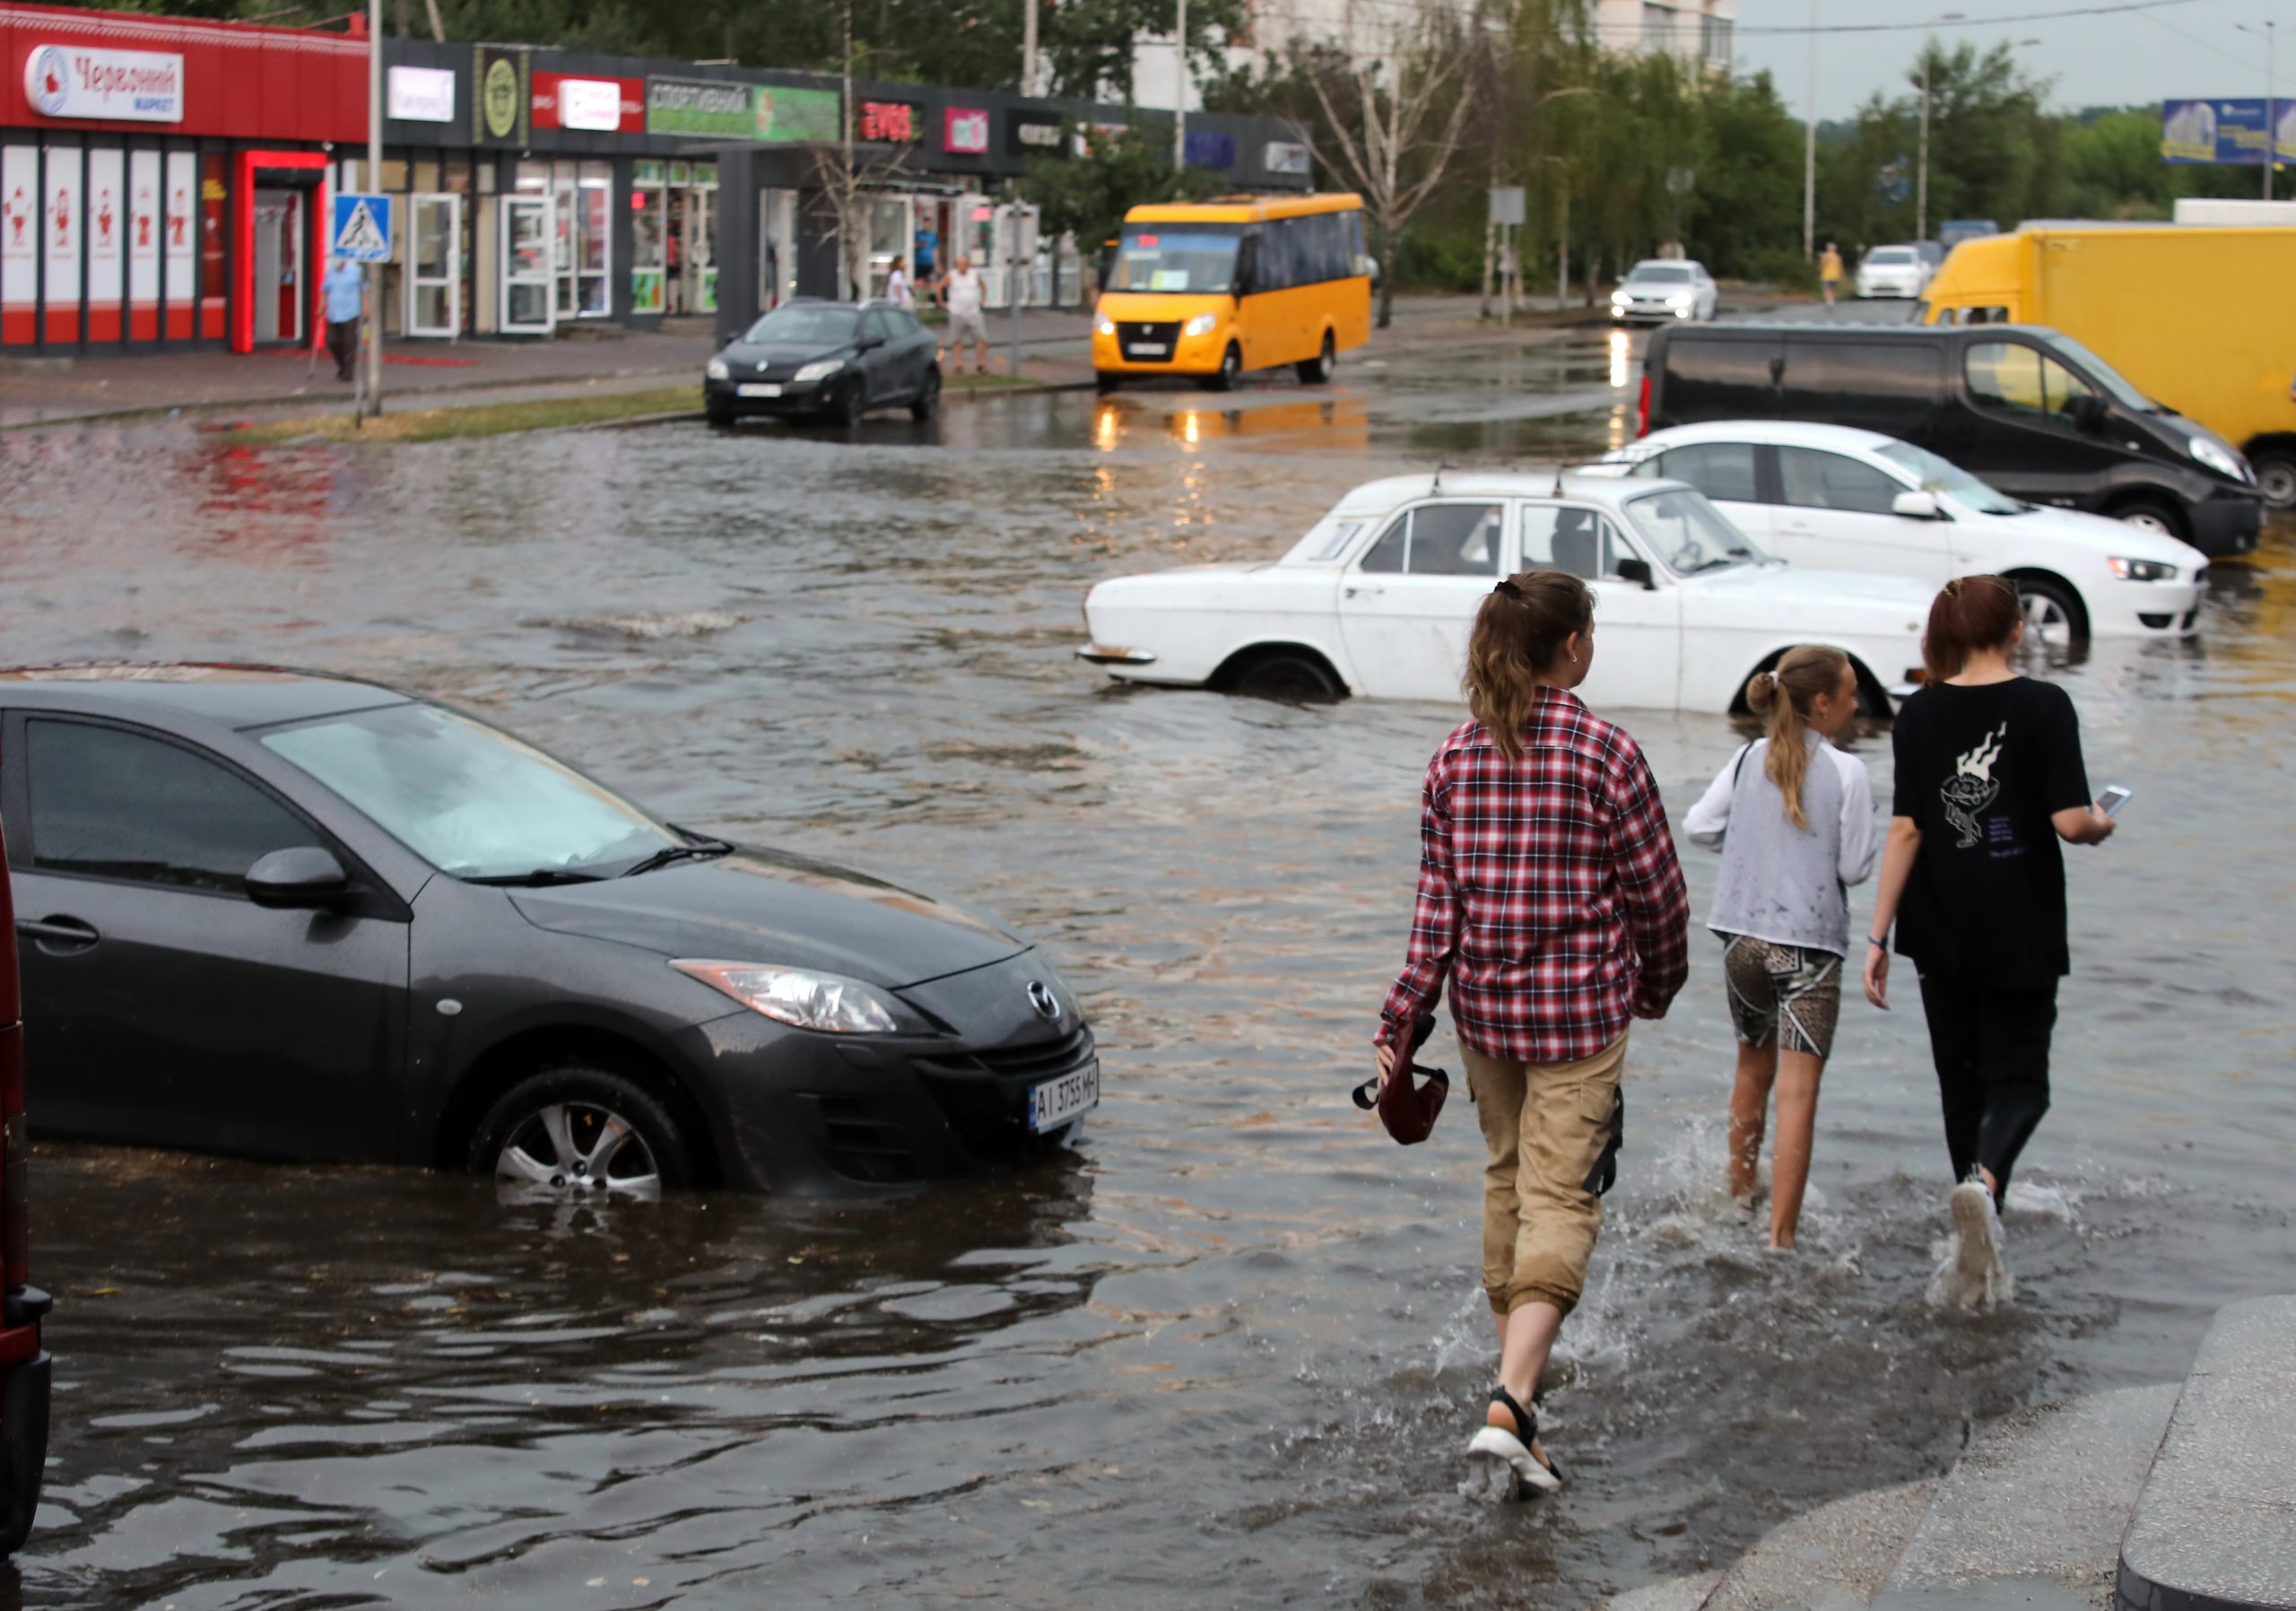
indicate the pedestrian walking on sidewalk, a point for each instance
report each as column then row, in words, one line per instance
column 897, row 291
column 1794, row 819
column 1550, row 900
column 1989, row 778
column 1830, row 270
column 961, row 295
column 344, row 291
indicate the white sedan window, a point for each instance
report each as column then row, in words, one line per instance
column 1563, row 537
column 1439, row 539
column 1812, row 479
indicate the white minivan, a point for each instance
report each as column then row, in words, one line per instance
column 1842, row 499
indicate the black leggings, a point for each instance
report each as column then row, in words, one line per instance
column 1991, row 1047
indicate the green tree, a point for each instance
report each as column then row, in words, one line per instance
column 1090, row 195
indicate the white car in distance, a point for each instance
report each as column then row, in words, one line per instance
column 1377, row 599
column 1850, row 500
column 1660, row 289
column 1892, row 271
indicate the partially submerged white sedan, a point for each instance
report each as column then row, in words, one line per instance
column 1379, row 597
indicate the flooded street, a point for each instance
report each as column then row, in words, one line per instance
column 1232, row 1348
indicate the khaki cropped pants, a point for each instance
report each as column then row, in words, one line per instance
column 1546, row 1126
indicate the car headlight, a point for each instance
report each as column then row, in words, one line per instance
column 716, row 370
column 2222, row 460
column 2142, row 570
column 828, row 1002
column 1102, row 324
column 1201, row 325
column 1682, row 299
column 821, row 371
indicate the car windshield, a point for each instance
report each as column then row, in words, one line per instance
column 1659, row 274
column 1942, row 476
column 471, row 801
column 2106, row 378
column 1890, row 255
column 803, row 325
column 1690, row 533
column 1176, row 256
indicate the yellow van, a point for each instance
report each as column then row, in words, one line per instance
column 1211, row 289
column 2202, row 320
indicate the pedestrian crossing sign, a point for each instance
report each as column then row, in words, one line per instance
column 363, row 229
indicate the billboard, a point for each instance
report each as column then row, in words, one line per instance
column 2231, row 133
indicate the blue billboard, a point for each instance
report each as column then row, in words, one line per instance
column 2234, row 132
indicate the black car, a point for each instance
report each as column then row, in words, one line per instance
column 2021, row 407
column 25, row 1368
column 832, row 359
column 272, row 913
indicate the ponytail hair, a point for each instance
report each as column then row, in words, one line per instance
column 1518, row 635
column 1786, row 695
column 1971, row 613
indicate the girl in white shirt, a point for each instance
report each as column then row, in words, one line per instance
column 1794, row 819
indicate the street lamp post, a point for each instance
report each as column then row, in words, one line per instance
column 2271, row 123
column 1180, row 93
column 1810, row 147
column 374, row 177
column 1921, row 182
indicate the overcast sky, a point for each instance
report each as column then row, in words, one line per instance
column 2175, row 50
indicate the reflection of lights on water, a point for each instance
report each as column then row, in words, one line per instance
column 1619, row 434
column 1190, row 431
column 1621, row 357
column 1106, row 427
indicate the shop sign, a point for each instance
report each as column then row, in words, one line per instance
column 1034, row 135
column 2234, row 133
column 795, row 115
column 500, row 108
column 1211, row 148
column 1285, row 156
column 140, row 86
column 591, row 103
column 421, row 94
column 714, row 110
column 894, row 121
column 964, row 130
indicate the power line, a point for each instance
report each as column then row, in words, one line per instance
column 1941, row 25
column 2178, row 33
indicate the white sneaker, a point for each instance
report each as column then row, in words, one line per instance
column 1980, row 1277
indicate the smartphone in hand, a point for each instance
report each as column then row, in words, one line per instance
column 2113, row 799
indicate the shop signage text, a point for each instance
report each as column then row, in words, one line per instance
column 589, row 103
column 964, row 129
column 421, row 94
column 712, row 109
column 2235, row 131
column 894, row 120
column 1033, row 135
column 140, row 86
column 1286, row 156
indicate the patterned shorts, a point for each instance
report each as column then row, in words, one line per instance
column 1786, row 990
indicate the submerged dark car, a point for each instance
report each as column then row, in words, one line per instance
column 834, row 359
column 277, row 914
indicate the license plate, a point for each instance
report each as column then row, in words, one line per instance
column 758, row 388
column 1056, row 1102
column 1146, row 349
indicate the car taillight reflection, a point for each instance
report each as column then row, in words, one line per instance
column 1642, row 408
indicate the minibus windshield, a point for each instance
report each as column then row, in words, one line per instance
column 1197, row 258
column 2109, row 379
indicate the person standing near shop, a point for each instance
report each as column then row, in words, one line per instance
column 344, row 291
column 1990, row 779
column 1830, row 270
column 961, row 295
column 1550, row 900
column 897, row 291
column 928, row 253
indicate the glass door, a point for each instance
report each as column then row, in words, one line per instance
column 649, row 244
column 529, row 230
column 594, row 247
column 700, row 251
column 434, row 280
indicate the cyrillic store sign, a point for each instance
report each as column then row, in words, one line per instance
column 140, row 86
column 712, row 109
column 421, row 94
column 964, row 129
column 591, row 103
column 1034, row 135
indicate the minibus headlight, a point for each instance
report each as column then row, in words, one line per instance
column 2219, row 460
column 1102, row 324
column 1201, row 325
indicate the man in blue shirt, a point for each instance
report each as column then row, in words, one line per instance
column 345, row 289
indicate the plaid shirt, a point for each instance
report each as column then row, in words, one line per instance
column 1549, row 893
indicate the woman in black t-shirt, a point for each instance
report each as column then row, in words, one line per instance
column 1989, row 777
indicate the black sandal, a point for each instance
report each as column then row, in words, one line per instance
column 1496, row 1443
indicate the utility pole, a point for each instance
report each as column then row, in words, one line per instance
column 1179, row 94
column 1921, row 185
column 2271, row 112
column 1809, row 148
column 374, row 178
column 1028, row 46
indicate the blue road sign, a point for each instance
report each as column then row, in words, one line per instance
column 363, row 229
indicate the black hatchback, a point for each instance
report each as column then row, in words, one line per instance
column 277, row 914
column 835, row 360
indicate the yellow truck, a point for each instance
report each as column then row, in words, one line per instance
column 2201, row 320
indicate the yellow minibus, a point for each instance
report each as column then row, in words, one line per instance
column 1211, row 289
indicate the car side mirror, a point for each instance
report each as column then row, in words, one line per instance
column 1916, row 506
column 1636, row 570
column 2087, row 414
column 302, row 876
column 869, row 343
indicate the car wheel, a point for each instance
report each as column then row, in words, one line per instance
column 1316, row 371
column 2150, row 514
column 848, row 402
column 1289, row 677
column 1231, row 370
column 2275, row 469
column 929, row 400
column 2053, row 612
column 1104, row 382
column 582, row 1132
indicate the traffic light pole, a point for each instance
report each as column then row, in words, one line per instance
column 372, row 400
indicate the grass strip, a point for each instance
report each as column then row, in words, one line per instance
column 484, row 419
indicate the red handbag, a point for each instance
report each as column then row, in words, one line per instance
column 1407, row 1107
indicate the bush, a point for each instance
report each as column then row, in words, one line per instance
column 1782, row 266
column 1446, row 262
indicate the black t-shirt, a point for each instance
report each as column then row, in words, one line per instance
column 1980, row 770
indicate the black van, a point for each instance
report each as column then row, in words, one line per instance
column 2022, row 406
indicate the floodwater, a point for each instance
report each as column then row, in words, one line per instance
column 1230, row 1350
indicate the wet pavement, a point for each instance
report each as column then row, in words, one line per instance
column 1230, row 1349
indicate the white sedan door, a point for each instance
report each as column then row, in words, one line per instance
column 1638, row 629
column 1834, row 514
column 1405, row 607
column 1728, row 474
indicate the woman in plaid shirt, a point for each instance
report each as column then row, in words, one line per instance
column 1550, row 898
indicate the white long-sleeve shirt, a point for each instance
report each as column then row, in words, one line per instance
column 1786, row 884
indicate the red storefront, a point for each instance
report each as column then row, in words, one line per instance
column 162, row 183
